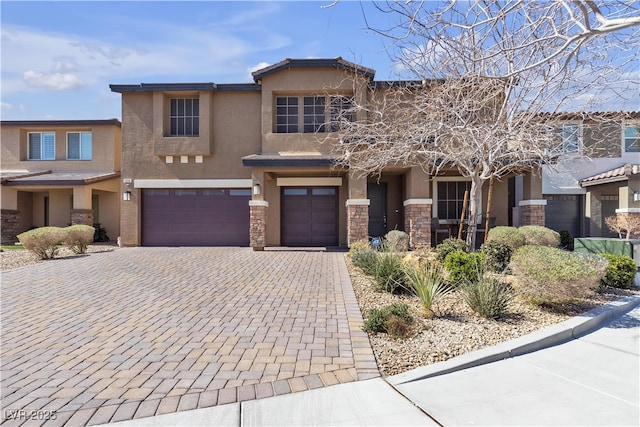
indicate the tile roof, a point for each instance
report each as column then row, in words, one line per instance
column 621, row 173
column 48, row 178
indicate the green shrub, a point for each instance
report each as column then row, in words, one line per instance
column 550, row 275
column 389, row 273
column 450, row 245
column 359, row 245
column 393, row 319
column 462, row 266
column 396, row 241
column 366, row 260
column 621, row 271
column 497, row 255
column 510, row 236
column 566, row 240
column 538, row 235
column 428, row 284
column 487, row 297
column 43, row 241
column 78, row 237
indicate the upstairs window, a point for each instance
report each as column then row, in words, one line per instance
column 341, row 111
column 79, row 145
column 184, row 119
column 314, row 116
column 287, row 114
column 42, row 146
column 632, row 138
column 571, row 137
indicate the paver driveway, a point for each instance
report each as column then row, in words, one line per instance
column 144, row 331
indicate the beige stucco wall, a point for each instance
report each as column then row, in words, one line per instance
column 306, row 81
column 105, row 149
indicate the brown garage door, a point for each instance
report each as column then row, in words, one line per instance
column 195, row 217
column 309, row 216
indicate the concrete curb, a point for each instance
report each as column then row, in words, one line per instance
column 562, row 332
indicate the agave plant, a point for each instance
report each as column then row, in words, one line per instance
column 428, row 284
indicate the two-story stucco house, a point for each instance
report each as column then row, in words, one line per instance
column 600, row 175
column 251, row 165
column 60, row 172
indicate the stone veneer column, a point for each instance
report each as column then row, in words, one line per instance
column 357, row 220
column 258, row 224
column 417, row 222
column 9, row 221
column 82, row 216
column 532, row 212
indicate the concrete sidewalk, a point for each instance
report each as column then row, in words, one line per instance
column 584, row 371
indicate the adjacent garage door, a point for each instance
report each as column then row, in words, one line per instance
column 195, row 217
column 564, row 212
column 309, row 216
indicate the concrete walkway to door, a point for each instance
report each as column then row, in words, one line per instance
column 139, row 332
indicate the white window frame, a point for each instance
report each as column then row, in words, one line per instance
column 41, row 158
column 436, row 200
column 579, row 136
column 80, row 147
column 624, row 135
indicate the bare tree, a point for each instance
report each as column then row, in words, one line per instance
column 483, row 93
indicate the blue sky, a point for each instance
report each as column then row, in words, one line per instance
column 58, row 58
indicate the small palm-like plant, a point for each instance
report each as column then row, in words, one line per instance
column 487, row 297
column 428, row 284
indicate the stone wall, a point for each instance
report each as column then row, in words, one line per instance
column 9, row 221
column 357, row 222
column 532, row 215
column 82, row 216
column 258, row 225
column 417, row 223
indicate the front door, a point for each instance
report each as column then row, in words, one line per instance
column 377, row 193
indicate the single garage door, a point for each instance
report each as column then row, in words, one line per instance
column 195, row 217
column 564, row 212
column 309, row 216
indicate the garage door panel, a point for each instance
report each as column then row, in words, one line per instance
column 309, row 216
column 195, row 217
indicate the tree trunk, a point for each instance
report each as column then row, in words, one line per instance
column 475, row 197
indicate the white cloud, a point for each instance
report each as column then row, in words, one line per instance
column 5, row 106
column 256, row 67
column 55, row 81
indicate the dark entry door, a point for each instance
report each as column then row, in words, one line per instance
column 309, row 216
column 377, row 193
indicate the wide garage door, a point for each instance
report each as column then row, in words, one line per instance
column 563, row 212
column 195, row 217
column 309, row 216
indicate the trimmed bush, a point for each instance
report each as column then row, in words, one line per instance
column 366, row 260
column 359, row 245
column 462, row 266
column 396, row 241
column 538, row 235
column 42, row 241
column 487, row 297
column 553, row 276
column 621, row 271
column 428, row 284
column 510, row 236
column 497, row 255
column 389, row 273
column 450, row 245
column 78, row 237
column 393, row 319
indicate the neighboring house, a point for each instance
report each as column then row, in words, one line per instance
column 251, row 165
column 60, row 172
column 600, row 175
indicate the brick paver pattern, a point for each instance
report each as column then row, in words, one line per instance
column 139, row 332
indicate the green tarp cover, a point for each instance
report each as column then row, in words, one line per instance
column 602, row 245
